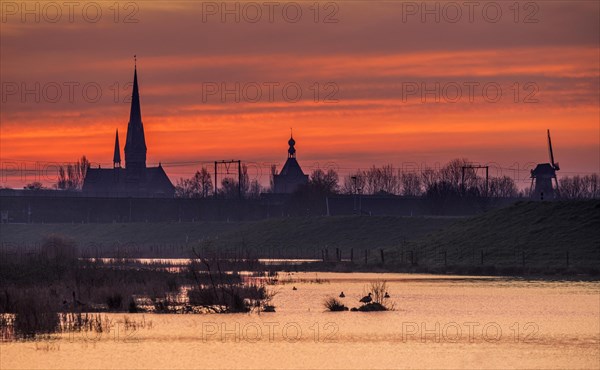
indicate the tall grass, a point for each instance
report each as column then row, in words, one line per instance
column 34, row 316
column 38, row 289
column 334, row 304
column 226, row 292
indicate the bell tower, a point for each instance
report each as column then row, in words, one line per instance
column 291, row 143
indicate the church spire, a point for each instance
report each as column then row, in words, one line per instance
column 117, row 155
column 135, row 145
column 136, row 112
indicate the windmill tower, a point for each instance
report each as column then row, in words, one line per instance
column 542, row 176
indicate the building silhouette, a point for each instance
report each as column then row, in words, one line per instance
column 135, row 180
column 291, row 176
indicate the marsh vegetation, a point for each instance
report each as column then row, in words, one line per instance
column 53, row 290
column 376, row 298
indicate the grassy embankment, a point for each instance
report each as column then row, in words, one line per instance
column 275, row 238
column 528, row 237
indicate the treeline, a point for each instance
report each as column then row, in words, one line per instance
column 201, row 186
column 70, row 177
column 458, row 178
column 579, row 187
column 455, row 179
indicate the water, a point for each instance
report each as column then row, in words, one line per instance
column 186, row 261
column 439, row 322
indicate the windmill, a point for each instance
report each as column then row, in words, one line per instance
column 542, row 177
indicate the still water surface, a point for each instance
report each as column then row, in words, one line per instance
column 438, row 322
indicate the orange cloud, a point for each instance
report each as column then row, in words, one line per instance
column 366, row 115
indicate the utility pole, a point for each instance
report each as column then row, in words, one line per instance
column 487, row 168
column 355, row 192
column 240, row 179
column 227, row 163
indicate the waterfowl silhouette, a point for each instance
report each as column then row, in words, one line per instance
column 342, row 295
column 386, row 295
column 294, row 288
column 366, row 299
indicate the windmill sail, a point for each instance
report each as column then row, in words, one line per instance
column 550, row 152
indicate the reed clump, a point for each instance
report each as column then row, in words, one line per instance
column 379, row 298
column 334, row 304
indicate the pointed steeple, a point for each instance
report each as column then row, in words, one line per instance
column 135, row 146
column 117, row 155
column 136, row 112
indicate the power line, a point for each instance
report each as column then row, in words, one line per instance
column 267, row 165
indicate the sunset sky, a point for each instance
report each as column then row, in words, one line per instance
column 364, row 58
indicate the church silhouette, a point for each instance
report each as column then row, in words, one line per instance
column 135, row 180
column 291, row 177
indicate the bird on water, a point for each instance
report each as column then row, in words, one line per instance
column 366, row 299
column 342, row 295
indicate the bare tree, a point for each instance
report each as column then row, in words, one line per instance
column 412, row 184
column 234, row 188
column 453, row 172
column 382, row 180
column 502, row 187
column 199, row 186
column 429, row 178
column 72, row 176
column 244, row 180
column 255, row 189
column 593, row 185
column 579, row 187
column 324, row 182
column 183, row 188
column 372, row 181
column 354, row 183
column 272, row 177
column 229, row 188
column 205, row 182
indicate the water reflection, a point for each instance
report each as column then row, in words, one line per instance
column 439, row 322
